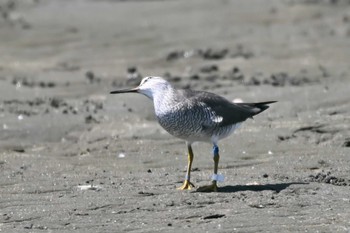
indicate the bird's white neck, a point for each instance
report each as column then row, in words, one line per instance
column 162, row 99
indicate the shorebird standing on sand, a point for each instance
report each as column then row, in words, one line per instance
column 195, row 116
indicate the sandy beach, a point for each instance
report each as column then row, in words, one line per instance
column 74, row 158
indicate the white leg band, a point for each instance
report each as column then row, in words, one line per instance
column 218, row 177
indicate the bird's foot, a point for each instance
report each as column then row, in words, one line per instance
column 187, row 185
column 208, row 188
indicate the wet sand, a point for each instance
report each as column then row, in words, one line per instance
column 75, row 159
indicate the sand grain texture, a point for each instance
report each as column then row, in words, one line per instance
column 75, row 159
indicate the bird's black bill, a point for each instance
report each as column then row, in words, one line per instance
column 124, row 91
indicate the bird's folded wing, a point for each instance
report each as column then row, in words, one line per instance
column 230, row 112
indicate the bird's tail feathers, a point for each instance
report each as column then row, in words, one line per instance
column 257, row 108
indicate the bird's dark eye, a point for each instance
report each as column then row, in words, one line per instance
column 145, row 80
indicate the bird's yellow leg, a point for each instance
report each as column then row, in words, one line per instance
column 213, row 187
column 187, row 183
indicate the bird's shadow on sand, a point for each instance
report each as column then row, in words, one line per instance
column 257, row 188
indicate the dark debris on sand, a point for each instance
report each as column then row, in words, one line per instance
column 26, row 82
column 210, row 53
column 328, row 178
column 42, row 106
column 210, row 76
column 280, row 79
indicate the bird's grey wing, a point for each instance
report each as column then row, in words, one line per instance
column 229, row 112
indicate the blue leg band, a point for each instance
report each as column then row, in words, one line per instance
column 215, row 150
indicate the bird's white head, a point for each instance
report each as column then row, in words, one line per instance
column 149, row 87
